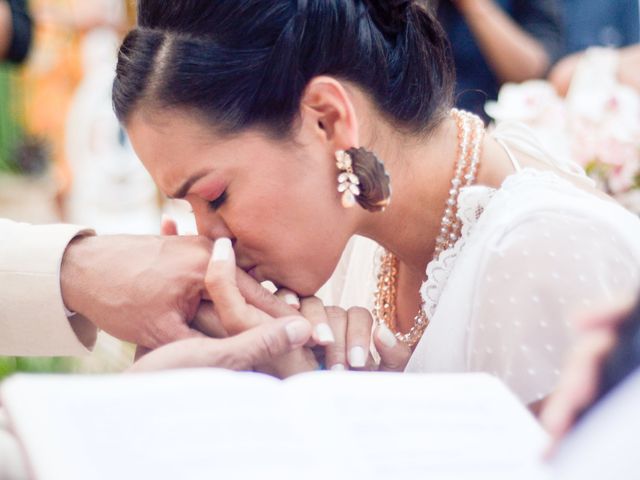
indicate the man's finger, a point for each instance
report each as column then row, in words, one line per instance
column 268, row 342
column 168, row 226
column 208, row 322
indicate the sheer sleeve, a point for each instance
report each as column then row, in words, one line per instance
column 534, row 281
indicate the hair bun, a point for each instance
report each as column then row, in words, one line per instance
column 389, row 15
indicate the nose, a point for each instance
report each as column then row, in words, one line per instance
column 211, row 224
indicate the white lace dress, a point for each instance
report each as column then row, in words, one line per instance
column 533, row 256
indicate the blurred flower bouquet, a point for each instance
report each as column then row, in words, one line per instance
column 597, row 125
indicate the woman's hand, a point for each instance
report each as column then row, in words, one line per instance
column 237, row 315
column 346, row 338
column 349, row 349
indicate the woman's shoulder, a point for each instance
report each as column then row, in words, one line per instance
column 533, row 197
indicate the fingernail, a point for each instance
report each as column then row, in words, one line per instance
column 291, row 299
column 386, row 336
column 298, row 331
column 338, row 367
column 324, row 334
column 222, row 250
column 357, row 357
column 164, row 218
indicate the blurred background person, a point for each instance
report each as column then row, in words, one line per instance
column 499, row 41
column 591, row 23
column 15, row 30
column 624, row 63
column 588, row 23
column 608, row 342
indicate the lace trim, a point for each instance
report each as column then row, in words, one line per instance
column 471, row 204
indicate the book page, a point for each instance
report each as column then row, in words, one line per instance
column 430, row 426
column 197, row 424
column 215, row 424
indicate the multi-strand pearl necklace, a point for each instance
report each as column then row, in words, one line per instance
column 470, row 137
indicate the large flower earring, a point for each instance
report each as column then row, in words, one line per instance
column 363, row 180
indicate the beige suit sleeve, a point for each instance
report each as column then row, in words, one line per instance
column 33, row 321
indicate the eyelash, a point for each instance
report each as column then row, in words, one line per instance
column 218, row 202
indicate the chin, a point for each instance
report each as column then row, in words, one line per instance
column 303, row 287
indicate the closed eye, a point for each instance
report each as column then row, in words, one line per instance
column 218, row 202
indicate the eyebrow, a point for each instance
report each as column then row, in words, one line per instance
column 186, row 186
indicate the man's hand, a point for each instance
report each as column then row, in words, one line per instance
column 141, row 289
column 259, row 346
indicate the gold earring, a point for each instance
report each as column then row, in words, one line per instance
column 363, row 180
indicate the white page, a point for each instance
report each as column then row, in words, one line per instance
column 216, row 424
column 431, row 426
column 197, row 424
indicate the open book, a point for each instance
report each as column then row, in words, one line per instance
column 204, row 424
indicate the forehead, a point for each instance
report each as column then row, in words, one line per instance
column 165, row 135
column 172, row 145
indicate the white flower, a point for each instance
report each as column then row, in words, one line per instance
column 528, row 102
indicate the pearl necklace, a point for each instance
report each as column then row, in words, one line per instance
column 470, row 137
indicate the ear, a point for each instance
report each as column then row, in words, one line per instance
column 327, row 108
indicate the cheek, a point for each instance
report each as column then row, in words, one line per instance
column 293, row 213
column 297, row 232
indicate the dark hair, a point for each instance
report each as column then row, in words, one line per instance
column 246, row 63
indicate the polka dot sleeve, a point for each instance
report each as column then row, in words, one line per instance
column 535, row 282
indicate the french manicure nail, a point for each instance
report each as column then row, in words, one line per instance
column 222, row 250
column 357, row 357
column 298, row 332
column 338, row 367
column 291, row 299
column 387, row 338
column 324, row 334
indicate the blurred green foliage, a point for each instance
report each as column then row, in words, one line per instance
column 10, row 133
column 11, row 365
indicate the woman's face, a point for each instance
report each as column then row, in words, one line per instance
column 277, row 200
